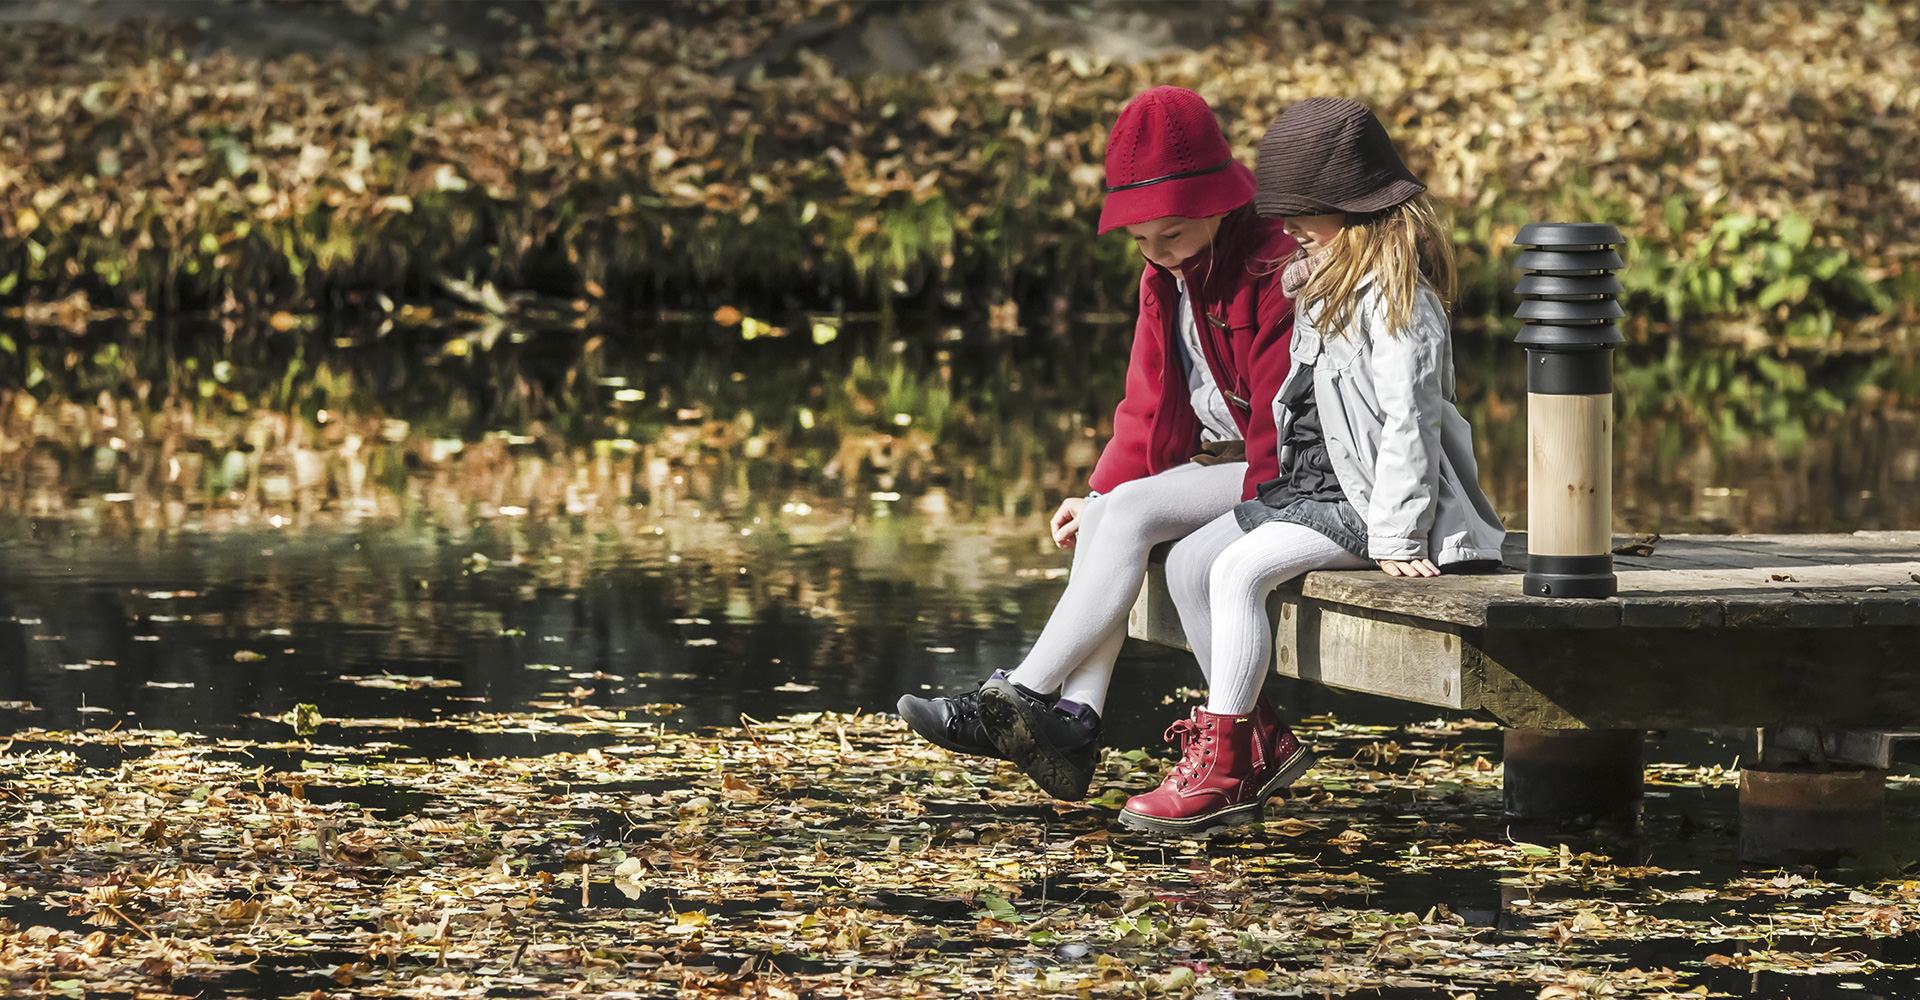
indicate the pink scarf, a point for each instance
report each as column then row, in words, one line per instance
column 1294, row 274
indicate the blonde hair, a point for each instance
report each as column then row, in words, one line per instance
column 1400, row 248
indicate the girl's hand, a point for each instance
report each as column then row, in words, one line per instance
column 1066, row 521
column 1408, row 567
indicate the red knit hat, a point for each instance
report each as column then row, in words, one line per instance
column 1167, row 157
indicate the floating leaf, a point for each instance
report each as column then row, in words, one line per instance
column 305, row 719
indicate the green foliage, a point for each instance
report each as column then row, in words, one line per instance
column 1743, row 263
column 1744, row 202
column 1740, row 397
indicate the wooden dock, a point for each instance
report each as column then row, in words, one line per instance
column 1813, row 641
column 1707, row 631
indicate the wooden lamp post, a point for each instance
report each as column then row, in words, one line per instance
column 1567, row 285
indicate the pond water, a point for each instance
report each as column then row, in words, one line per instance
column 200, row 535
column 766, row 526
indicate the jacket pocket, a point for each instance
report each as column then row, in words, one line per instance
column 1306, row 344
column 1338, row 354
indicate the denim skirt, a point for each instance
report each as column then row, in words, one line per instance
column 1335, row 519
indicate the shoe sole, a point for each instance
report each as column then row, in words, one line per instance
column 1243, row 814
column 1288, row 773
column 1014, row 732
column 938, row 738
column 1204, row 825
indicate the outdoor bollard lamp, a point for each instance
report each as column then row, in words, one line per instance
column 1567, row 285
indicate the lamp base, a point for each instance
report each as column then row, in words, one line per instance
column 1603, row 584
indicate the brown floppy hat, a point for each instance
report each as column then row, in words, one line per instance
column 1326, row 155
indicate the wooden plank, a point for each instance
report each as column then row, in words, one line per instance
column 1372, row 654
column 1670, row 553
column 1749, row 551
column 1456, row 600
column 1894, row 606
column 1491, row 600
column 1632, row 678
column 1153, row 617
column 1727, row 581
column 1797, row 611
column 1892, row 539
column 1515, row 609
column 1670, row 610
column 1773, row 596
column 1879, row 748
column 1515, row 702
column 1735, row 551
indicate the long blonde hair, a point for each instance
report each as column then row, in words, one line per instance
column 1400, row 248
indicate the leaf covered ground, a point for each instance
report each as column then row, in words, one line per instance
column 831, row 855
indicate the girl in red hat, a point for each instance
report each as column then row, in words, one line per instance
column 1193, row 436
column 1375, row 464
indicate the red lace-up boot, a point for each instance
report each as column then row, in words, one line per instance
column 1229, row 766
column 1215, row 784
column 1287, row 758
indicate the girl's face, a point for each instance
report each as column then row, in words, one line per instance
column 1171, row 240
column 1315, row 232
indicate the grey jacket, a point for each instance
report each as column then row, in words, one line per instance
column 1399, row 446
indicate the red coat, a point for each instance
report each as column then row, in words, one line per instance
column 1246, row 328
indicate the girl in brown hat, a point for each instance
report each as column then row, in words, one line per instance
column 1209, row 352
column 1375, row 464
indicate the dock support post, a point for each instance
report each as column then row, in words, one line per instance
column 1809, row 815
column 1568, row 774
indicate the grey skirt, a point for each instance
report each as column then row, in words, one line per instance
column 1336, row 519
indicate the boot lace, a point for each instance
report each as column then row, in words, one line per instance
column 966, row 713
column 1195, row 740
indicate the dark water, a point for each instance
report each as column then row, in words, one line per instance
column 124, row 429
column 679, row 517
column 210, row 632
column 703, row 521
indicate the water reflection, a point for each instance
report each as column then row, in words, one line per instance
column 199, row 531
column 225, row 633
column 123, row 430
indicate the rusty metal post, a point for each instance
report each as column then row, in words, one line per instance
column 1569, row 774
column 1809, row 815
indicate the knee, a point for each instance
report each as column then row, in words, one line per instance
column 1235, row 578
column 1117, row 518
column 1119, row 503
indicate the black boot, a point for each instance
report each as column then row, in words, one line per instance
column 1055, row 741
column 953, row 722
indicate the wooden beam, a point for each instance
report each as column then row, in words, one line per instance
column 1372, row 652
column 1154, row 618
column 1862, row 747
column 1834, row 641
column 1644, row 678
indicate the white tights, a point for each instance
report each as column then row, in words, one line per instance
column 1076, row 649
column 1220, row 577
